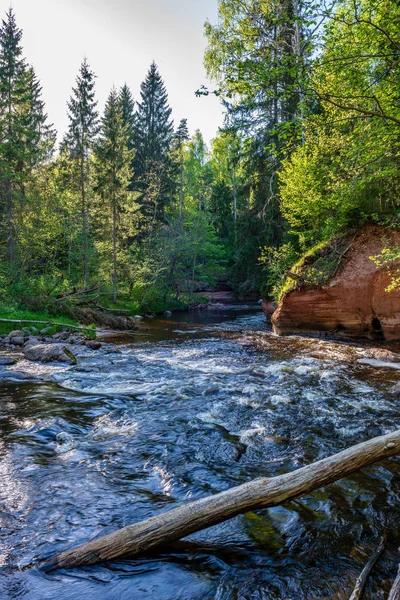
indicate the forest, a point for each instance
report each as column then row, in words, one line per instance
column 159, row 440
column 127, row 203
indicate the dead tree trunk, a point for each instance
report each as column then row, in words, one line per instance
column 260, row 493
column 395, row 591
column 363, row 578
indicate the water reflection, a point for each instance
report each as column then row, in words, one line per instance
column 178, row 415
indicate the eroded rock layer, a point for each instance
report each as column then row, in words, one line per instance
column 354, row 302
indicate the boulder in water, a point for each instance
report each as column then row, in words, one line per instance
column 47, row 353
column 93, row 345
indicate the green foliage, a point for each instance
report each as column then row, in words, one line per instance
column 390, row 257
column 277, row 261
column 113, row 174
column 25, row 138
column 309, row 149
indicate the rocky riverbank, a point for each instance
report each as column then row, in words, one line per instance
column 63, row 347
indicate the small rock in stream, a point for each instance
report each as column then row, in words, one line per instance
column 382, row 354
column 395, row 390
column 6, row 361
column 93, row 345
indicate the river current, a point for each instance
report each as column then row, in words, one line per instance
column 199, row 404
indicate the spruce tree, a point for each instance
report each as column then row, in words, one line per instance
column 153, row 138
column 25, row 138
column 113, row 167
column 181, row 136
column 128, row 113
column 154, row 126
column 79, row 141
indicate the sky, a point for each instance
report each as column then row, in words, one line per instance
column 120, row 39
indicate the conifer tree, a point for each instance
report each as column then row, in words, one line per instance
column 25, row 138
column 154, row 127
column 79, row 141
column 128, row 113
column 113, row 167
column 181, row 136
column 153, row 138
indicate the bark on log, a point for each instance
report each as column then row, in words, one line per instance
column 260, row 493
column 363, row 577
column 32, row 322
column 395, row 591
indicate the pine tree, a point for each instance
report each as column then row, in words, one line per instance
column 79, row 141
column 25, row 137
column 113, row 167
column 181, row 136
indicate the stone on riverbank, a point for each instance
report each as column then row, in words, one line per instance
column 17, row 341
column 16, row 334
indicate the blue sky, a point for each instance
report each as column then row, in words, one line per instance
column 120, row 39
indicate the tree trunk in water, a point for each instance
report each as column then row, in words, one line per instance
column 363, row 578
column 395, row 591
column 260, row 493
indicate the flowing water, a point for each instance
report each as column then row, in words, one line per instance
column 201, row 403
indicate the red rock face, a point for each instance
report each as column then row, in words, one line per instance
column 354, row 302
column 268, row 309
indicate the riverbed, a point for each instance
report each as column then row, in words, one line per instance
column 195, row 405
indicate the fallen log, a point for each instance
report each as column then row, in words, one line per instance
column 260, row 493
column 363, row 577
column 49, row 323
column 395, row 591
column 76, row 292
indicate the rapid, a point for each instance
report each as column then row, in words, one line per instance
column 200, row 403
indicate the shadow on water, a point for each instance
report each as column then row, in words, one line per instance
column 205, row 401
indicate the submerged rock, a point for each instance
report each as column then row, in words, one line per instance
column 395, row 390
column 382, row 354
column 6, row 361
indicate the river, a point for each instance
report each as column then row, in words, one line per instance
column 201, row 403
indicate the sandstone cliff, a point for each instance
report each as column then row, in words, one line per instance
column 354, row 302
